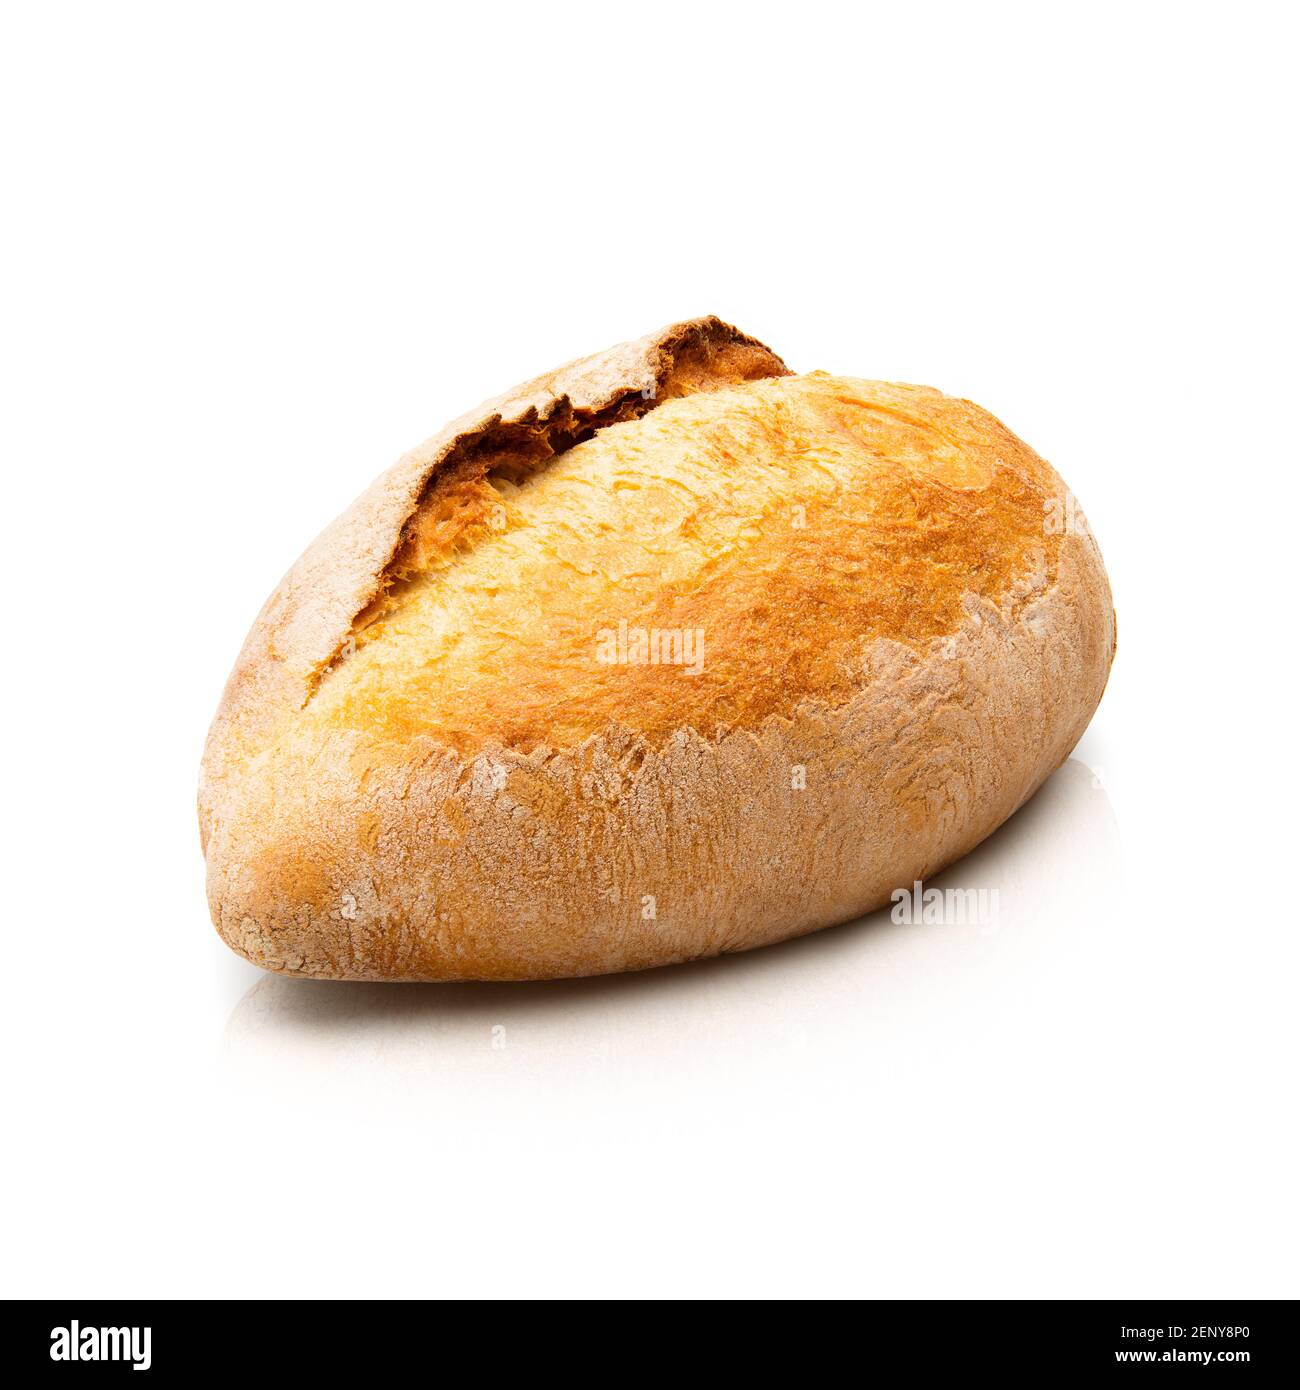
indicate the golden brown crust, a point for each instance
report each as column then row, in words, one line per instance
column 425, row 769
column 795, row 518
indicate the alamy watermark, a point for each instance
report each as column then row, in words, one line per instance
column 77, row 1343
column 944, row 907
column 653, row 646
column 1063, row 516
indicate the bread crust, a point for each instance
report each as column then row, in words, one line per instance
column 337, row 849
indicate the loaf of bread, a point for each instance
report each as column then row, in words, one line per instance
column 665, row 654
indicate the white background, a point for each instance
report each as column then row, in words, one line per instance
column 250, row 254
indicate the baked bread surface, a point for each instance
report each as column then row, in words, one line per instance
column 669, row 654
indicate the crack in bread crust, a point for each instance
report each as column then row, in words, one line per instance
column 460, row 501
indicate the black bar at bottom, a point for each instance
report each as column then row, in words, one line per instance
column 72, row 1337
